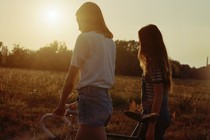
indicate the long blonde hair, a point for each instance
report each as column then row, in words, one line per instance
column 153, row 52
column 91, row 16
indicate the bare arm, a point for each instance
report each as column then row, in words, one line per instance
column 67, row 88
column 157, row 101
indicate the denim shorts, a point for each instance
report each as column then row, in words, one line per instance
column 94, row 106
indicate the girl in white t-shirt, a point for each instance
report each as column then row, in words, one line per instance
column 94, row 59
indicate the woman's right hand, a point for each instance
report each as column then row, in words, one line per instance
column 60, row 110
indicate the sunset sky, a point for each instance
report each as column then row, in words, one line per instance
column 185, row 24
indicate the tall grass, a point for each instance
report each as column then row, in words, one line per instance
column 26, row 95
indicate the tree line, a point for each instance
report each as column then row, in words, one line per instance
column 56, row 57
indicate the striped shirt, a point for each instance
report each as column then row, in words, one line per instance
column 155, row 75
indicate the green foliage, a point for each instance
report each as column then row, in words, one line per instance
column 126, row 58
column 56, row 57
column 19, row 57
column 202, row 73
column 175, row 66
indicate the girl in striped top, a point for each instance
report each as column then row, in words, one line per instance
column 156, row 81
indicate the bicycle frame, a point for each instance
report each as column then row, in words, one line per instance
column 134, row 135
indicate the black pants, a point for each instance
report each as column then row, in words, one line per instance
column 162, row 124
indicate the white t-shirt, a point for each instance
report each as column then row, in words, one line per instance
column 95, row 55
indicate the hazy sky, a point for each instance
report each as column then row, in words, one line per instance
column 185, row 24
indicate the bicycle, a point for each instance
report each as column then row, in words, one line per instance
column 72, row 127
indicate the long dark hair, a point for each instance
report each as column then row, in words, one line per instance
column 153, row 52
column 90, row 15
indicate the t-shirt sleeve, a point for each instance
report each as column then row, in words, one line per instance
column 80, row 52
column 157, row 75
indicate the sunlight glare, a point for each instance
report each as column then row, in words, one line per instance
column 56, row 20
column 53, row 16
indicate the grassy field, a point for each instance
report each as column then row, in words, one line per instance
column 26, row 95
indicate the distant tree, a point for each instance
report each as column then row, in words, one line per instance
column 54, row 56
column 4, row 55
column 202, row 73
column 133, row 59
column 126, row 58
column 121, row 57
column 19, row 57
column 175, row 66
column 185, row 71
column 64, row 57
column 1, row 44
column 207, row 71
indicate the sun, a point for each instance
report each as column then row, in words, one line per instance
column 53, row 16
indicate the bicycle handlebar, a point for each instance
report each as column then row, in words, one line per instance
column 48, row 115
